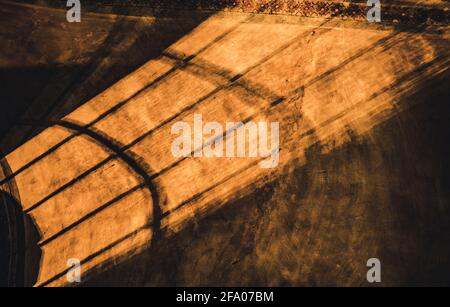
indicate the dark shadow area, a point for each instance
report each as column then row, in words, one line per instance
column 420, row 193
column 49, row 92
column 19, row 252
column 21, row 86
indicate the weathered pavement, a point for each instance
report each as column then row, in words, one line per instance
column 356, row 104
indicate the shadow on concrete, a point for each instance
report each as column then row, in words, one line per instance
column 205, row 254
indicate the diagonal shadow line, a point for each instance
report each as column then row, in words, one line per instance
column 11, row 186
column 204, row 70
column 116, row 149
column 386, row 88
column 167, row 74
column 233, row 81
column 212, row 187
column 70, row 183
column 91, row 214
column 198, row 195
column 118, row 106
column 98, row 253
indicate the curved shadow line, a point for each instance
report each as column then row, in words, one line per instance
column 10, row 195
column 117, row 150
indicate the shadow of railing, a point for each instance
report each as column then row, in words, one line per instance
column 144, row 171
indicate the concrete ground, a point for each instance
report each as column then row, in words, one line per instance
column 363, row 169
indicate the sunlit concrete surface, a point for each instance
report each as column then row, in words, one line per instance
column 101, row 184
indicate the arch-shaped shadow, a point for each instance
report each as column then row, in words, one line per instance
column 19, row 251
column 117, row 149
